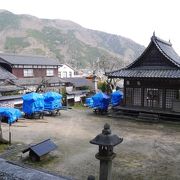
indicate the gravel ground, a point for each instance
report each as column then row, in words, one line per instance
column 148, row 151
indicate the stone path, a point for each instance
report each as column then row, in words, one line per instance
column 9, row 171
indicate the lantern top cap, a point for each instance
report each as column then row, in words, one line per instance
column 106, row 138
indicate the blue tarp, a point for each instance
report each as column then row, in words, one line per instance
column 101, row 101
column 116, row 98
column 33, row 102
column 52, row 101
column 12, row 114
column 89, row 102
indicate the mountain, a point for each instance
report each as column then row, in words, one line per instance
column 64, row 40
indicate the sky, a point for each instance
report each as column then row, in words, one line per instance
column 134, row 19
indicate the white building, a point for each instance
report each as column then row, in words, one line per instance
column 65, row 71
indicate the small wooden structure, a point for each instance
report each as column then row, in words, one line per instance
column 152, row 81
column 38, row 150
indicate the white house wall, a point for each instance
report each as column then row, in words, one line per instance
column 65, row 71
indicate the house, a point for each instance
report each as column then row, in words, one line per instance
column 40, row 84
column 7, row 84
column 11, row 101
column 77, row 89
column 152, row 81
column 65, row 71
column 29, row 66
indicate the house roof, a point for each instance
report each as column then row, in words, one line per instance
column 166, row 49
column 151, row 73
column 10, row 88
column 4, row 74
column 28, row 60
column 78, row 81
column 3, row 98
column 37, row 81
column 61, row 65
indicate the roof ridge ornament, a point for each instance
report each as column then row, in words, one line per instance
column 154, row 34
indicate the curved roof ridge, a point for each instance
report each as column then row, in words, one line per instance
column 106, row 73
column 139, row 56
column 167, row 50
column 162, row 41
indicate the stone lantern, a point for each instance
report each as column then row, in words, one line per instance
column 106, row 141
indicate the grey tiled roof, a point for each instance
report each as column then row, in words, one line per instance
column 36, row 81
column 28, row 81
column 167, row 50
column 10, row 88
column 153, row 71
column 2, row 98
column 4, row 74
column 79, row 81
column 145, row 73
column 28, row 60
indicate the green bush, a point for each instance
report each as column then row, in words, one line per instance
column 102, row 85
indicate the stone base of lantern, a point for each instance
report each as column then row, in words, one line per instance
column 105, row 166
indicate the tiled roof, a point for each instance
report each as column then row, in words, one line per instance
column 2, row 98
column 79, row 81
column 145, row 73
column 36, row 81
column 153, row 71
column 28, row 60
column 4, row 74
column 10, row 88
column 167, row 50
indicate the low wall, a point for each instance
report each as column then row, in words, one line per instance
column 12, row 171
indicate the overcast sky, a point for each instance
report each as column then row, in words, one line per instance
column 135, row 19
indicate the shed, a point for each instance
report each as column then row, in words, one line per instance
column 38, row 150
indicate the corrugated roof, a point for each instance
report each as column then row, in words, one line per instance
column 145, row 73
column 4, row 74
column 28, row 60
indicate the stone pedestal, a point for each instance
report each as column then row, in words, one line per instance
column 105, row 166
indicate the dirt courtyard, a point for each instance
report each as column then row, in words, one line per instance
column 149, row 151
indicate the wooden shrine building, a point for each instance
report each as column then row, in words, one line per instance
column 152, row 81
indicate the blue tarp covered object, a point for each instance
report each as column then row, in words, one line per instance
column 33, row 102
column 116, row 98
column 89, row 102
column 52, row 101
column 12, row 114
column 101, row 101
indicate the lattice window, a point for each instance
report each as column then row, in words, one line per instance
column 153, row 97
column 137, row 96
column 28, row 72
column 171, row 94
column 49, row 72
column 129, row 96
